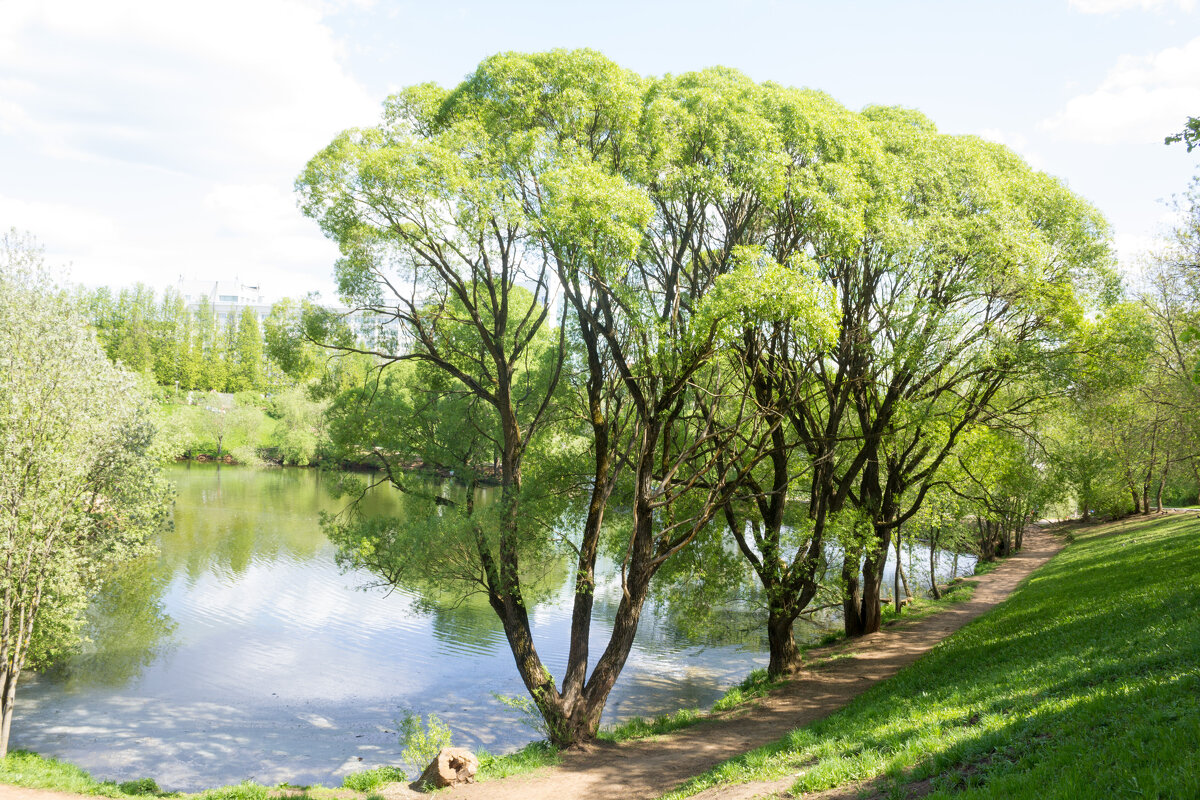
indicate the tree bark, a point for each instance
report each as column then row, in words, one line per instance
column 785, row 656
column 851, row 595
column 933, row 584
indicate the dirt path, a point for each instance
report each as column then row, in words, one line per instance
column 21, row 793
column 649, row 768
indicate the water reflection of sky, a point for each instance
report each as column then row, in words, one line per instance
column 267, row 663
column 278, row 668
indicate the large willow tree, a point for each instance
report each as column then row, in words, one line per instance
column 692, row 295
column 622, row 208
column 962, row 292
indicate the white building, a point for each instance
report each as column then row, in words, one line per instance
column 225, row 297
column 229, row 298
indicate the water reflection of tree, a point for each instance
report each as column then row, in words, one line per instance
column 226, row 517
column 390, row 527
column 127, row 628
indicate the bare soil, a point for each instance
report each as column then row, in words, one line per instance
column 832, row 678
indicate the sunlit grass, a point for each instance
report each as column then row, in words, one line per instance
column 21, row 768
column 532, row 756
column 1083, row 684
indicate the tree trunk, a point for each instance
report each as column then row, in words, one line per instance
column 933, row 584
column 1137, row 506
column 868, row 616
column 872, row 605
column 8, row 691
column 785, row 656
column 852, row 595
column 896, row 580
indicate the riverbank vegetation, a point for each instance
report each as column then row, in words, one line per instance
column 81, row 489
column 1082, row 684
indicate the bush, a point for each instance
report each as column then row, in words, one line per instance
column 370, row 779
column 142, row 786
column 422, row 741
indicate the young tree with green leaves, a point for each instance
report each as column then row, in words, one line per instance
column 80, row 486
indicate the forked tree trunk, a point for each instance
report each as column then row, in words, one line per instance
column 933, row 584
column 872, row 602
column 869, row 613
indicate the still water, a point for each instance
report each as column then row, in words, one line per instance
column 243, row 653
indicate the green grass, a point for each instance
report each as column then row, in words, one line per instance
column 1083, row 684
column 756, row 684
column 534, row 755
column 256, row 791
column 370, row 779
column 984, row 567
column 21, row 768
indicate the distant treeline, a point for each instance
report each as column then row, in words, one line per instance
column 193, row 350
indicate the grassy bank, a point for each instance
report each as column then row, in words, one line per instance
column 21, row 768
column 1083, row 684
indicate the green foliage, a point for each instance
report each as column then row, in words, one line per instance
column 532, row 756
column 422, row 741
column 193, row 350
column 81, row 490
column 141, row 787
column 756, row 684
column 299, row 433
column 1190, row 135
column 1082, row 684
column 370, row 779
column 220, row 426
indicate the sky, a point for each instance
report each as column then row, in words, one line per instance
column 148, row 140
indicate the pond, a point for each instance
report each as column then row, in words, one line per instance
column 243, row 653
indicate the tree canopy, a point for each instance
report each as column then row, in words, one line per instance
column 692, row 294
column 80, row 486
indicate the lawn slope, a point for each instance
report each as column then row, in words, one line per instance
column 1085, row 683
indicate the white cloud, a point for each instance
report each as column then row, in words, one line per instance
column 1114, row 6
column 158, row 138
column 81, row 228
column 221, row 86
column 1141, row 100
